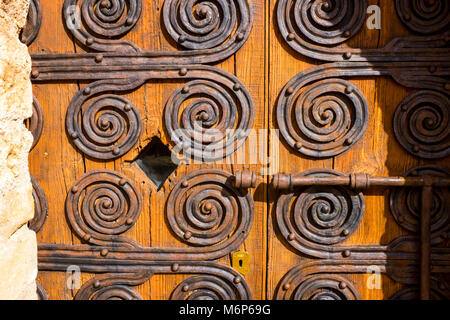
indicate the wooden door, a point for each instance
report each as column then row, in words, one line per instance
column 241, row 149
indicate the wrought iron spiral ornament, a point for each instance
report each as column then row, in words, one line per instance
column 34, row 21
column 208, row 120
column 422, row 124
column 323, row 119
column 40, row 207
column 205, row 24
column 318, row 217
column 106, row 128
column 405, row 205
column 326, row 22
column 424, row 16
column 205, row 209
column 36, row 123
column 117, row 292
column 102, row 205
column 98, row 23
column 317, row 287
column 312, row 26
column 110, row 18
column 208, row 287
column 113, row 286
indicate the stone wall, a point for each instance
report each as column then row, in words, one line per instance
column 18, row 248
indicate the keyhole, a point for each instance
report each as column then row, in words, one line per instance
column 240, row 263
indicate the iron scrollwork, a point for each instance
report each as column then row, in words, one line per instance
column 423, row 16
column 113, row 286
column 211, row 287
column 327, row 280
column 101, row 206
column 102, row 20
column 204, row 209
column 338, row 117
column 324, row 22
column 210, row 30
column 214, row 123
column 323, row 118
column 422, row 124
column 107, row 127
column 34, row 21
column 318, row 216
column 313, row 28
column 405, row 205
column 212, row 281
column 36, row 123
column 40, row 207
column 314, row 217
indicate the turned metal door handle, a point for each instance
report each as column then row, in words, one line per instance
column 359, row 181
column 249, row 179
column 426, row 178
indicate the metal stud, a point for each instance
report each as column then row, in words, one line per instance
column 89, row 41
column 183, row 72
column 348, row 90
column 290, row 91
column 129, row 21
column 99, row 58
column 34, row 74
column 185, row 89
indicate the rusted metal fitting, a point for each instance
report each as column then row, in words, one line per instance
column 359, row 181
column 245, row 179
column 282, row 182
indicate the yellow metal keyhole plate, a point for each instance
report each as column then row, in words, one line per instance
column 240, row 261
